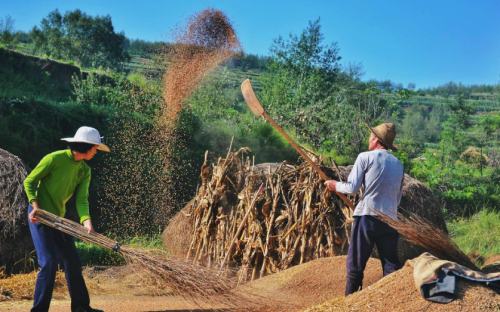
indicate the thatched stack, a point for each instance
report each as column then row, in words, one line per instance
column 295, row 219
column 473, row 156
column 15, row 239
column 175, row 236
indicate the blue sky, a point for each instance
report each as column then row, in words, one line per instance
column 425, row 42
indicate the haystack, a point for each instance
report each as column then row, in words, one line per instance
column 15, row 238
column 473, row 156
column 295, row 219
column 175, row 237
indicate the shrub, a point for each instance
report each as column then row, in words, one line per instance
column 479, row 233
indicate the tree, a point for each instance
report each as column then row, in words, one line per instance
column 355, row 104
column 322, row 102
column 489, row 124
column 77, row 36
column 23, row 37
column 302, row 73
column 411, row 86
column 211, row 101
column 454, row 136
column 413, row 132
column 142, row 47
column 7, row 33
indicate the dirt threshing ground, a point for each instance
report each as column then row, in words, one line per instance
column 125, row 289
column 314, row 286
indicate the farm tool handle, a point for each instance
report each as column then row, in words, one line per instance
column 76, row 230
column 258, row 110
column 241, row 226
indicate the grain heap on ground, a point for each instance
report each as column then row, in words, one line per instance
column 397, row 292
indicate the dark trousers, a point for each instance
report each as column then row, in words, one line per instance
column 51, row 247
column 366, row 232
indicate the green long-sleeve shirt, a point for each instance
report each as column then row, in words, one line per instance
column 57, row 176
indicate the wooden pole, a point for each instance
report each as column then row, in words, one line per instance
column 307, row 158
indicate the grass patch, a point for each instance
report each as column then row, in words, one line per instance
column 477, row 234
column 92, row 254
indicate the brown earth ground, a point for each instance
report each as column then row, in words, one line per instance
column 318, row 284
column 126, row 289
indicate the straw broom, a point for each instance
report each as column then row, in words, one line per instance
column 418, row 231
column 184, row 279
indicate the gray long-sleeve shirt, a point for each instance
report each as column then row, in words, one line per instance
column 382, row 175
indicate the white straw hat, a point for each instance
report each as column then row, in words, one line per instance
column 88, row 135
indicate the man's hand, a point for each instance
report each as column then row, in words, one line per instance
column 32, row 217
column 331, row 185
column 88, row 225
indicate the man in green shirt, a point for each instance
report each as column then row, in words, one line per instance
column 49, row 186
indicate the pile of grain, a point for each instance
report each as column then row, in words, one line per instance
column 310, row 283
column 128, row 279
column 397, row 292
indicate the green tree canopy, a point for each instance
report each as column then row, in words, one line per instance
column 301, row 72
column 91, row 41
column 324, row 103
column 7, row 33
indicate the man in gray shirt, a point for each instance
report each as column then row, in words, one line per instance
column 381, row 175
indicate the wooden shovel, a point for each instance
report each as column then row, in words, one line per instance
column 258, row 110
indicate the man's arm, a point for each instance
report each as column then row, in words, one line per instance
column 400, row 194
column 82, row 203
column 31, row 182
column 41, row 170
column 355, row 179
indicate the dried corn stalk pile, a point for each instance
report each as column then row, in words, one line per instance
column 295, row 218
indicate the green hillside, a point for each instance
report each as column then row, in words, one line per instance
column 448, row 135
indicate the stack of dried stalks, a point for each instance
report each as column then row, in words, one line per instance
column 295, row 218
column 184, row 279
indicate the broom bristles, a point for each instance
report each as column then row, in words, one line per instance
column 418, row 231
column 185, row 279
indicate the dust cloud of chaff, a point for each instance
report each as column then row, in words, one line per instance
column 149, row 174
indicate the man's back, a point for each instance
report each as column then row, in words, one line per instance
column 381, row 174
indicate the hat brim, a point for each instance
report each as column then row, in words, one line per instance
column 101, row 147
column 389, row 146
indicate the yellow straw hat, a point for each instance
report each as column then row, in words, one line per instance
column 386, row 133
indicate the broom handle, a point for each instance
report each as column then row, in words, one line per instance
column 76, row 230
column 241, row 225
column 304, row 155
